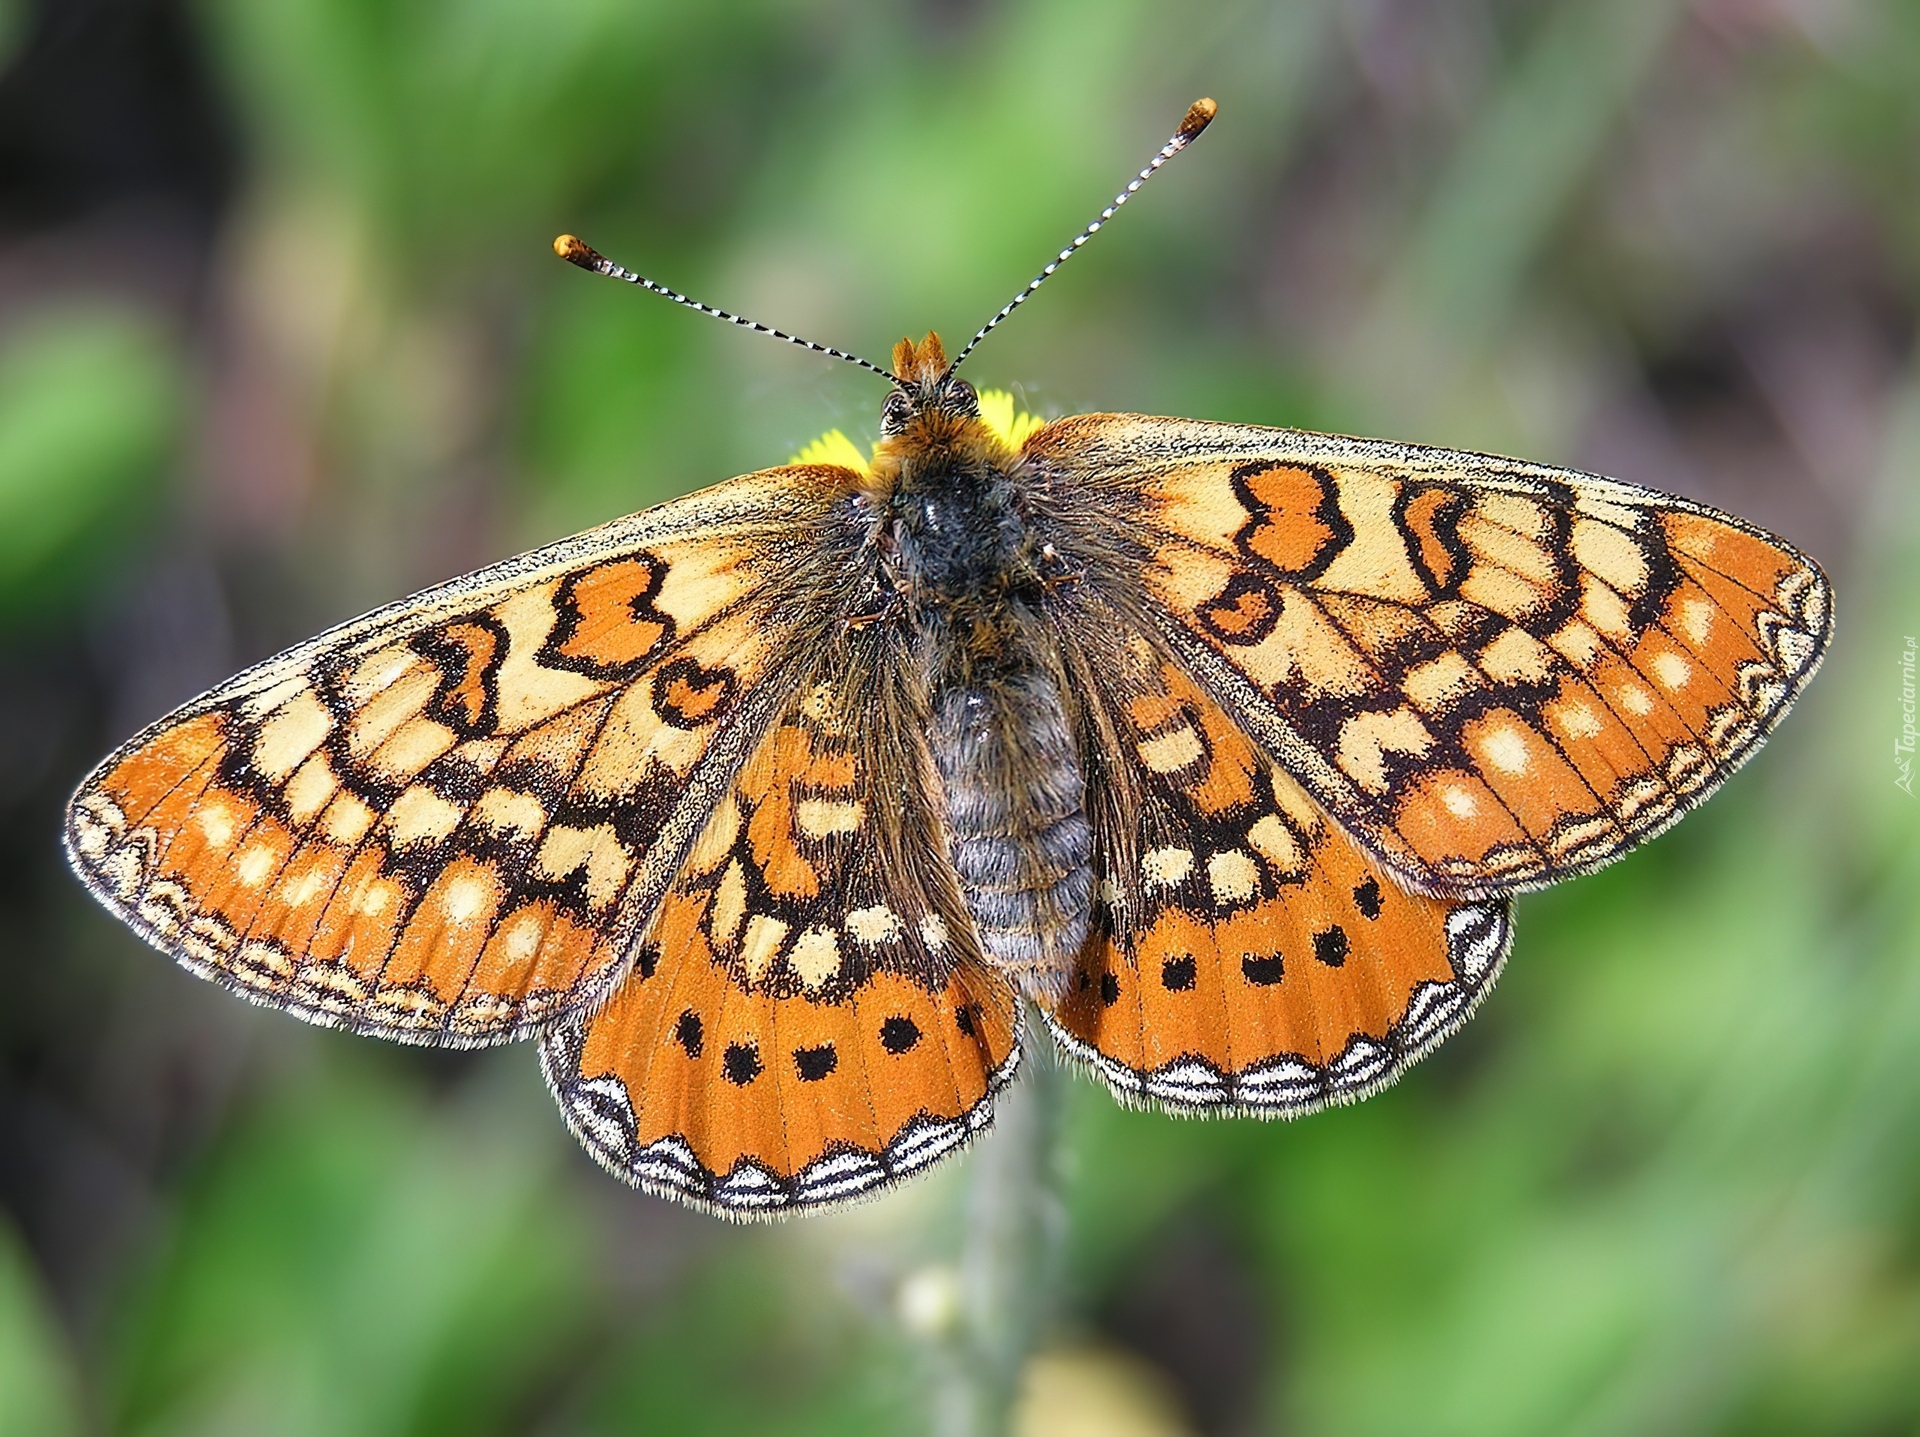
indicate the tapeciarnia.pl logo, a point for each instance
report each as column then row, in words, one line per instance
column 1903, row 745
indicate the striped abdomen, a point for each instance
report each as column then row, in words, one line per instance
column 1021, row 843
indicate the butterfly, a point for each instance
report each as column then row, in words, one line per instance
column 769, row 812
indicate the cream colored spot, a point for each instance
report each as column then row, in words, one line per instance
column 376, row 898
column 1588, row 501
column 1523, row 516
column 255, row 863
column 1671, row 670
column 821, row 818
column 1295, row 803
column 312, row 786
column 1635, row 699
column 1574, row 640
column 1517, row 657
column 482, row 753
column 295, row 731
column 1438, row 684
column 729, row 906
column 417, row 743
column 303, row 890
column 597, row 849
column 389, row 709
column 1366, row 739
column 465, row 899
column 378, row 672
column 1522, row 557
column 508, row 812
column 1274, row 841
column 1171, row 752
column 1232, row 876
column 347, row 819
column 1696, row 619
column 1612, row 555
column 1165, row 867
column 821, row 704
column 1604, row 609
column 764, row 935
column 1505, row 748
column 1375, row 561
column 874, row 925
column 521, row 940
column 1459, row 802
column 1575, row 719
column 529, row 692
column 270, row 698
column 216, row 824
column 422, row 816
column 933, row 932
column 716, row 840
column 815, row 957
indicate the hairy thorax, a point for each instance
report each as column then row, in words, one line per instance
column 961, row 564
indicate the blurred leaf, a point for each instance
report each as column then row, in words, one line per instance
column 761, row 1341
column 36, row 1375
column 358, row 1261
column 91, row 406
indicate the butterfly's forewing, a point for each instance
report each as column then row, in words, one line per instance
column 1247, row 956
column 1494, row 674
column 444, row 822
column 809, row 1017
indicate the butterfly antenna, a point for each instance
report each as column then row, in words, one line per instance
column 1199, row 114
column 577, row 251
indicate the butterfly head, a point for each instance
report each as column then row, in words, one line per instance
column 925, row 389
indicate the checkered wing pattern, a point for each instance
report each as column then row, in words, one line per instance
column 1495, row 675
column 809, row 1018
column 1246, row 956
column 446, row 822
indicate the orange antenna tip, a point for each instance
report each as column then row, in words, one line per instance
column 575, row 250
column 1199, row 115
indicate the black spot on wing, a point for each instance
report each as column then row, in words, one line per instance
column 813, row 1064
column 688, row 1032
column 741, row 1063
column 1263, row 972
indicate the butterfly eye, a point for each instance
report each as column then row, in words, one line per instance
column 895, row 413
column 959, row 396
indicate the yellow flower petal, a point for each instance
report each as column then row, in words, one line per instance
column 833, row 447
column 998, row 414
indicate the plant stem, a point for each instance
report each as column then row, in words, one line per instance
column 1011, row 1254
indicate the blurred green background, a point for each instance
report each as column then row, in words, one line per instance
column 281, row 337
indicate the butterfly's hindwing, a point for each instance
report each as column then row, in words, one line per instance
column 444, row 822
column 1247, row 956
column 1497, row 675
column 809, row 1018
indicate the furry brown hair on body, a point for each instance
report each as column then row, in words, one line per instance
column 963, row 564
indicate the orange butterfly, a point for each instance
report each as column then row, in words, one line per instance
column 1226, row 746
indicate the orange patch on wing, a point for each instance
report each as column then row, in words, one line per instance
column 1450, row 817
column 784, row 1082
column 1258, row 984
column 150, row 773
column 1533, row 782
column 1433, row 545
column 479, row 648
column 1291, row 533
column 362, row 918
column 616, row 624
column 447, row 930
column 1725, row 549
